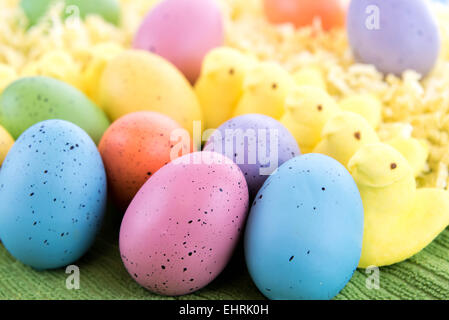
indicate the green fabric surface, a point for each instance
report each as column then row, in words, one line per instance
column 103, row 276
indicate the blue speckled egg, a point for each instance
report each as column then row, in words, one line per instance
column 304, row 234
column 394, row 35
column 52, row 195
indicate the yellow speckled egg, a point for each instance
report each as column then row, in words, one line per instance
column 6, row 142
column 138, row 81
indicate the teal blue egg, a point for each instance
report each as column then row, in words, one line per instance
column 303, row 239
column 52, row 195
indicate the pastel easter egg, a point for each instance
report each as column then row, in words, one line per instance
column 35, row 9
column 395, row 35
column 52, row 195
column 142, row 81
column 258, row 144
column 109, row 10
column 6, row 142
column 180, row 230
column 136, row 146
column 28, row 101
column 331, row 13
column 303, row 238
column 183, row 32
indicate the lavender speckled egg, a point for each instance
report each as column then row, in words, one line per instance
column 394, row 35
column 52, row 195
column 180, row 230
column 258, row 144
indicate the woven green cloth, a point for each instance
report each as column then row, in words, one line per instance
column 103, row 276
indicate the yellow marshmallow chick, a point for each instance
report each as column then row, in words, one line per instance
column 368, row 106
column 308, row 109
column 399, row 220
column 6, row 142
column 399, row 136
column 415, row 151
column 390, row 131
column 96, row 62
column 344, row 134
column 310, row 76
column 220, row 85
column 264, row 90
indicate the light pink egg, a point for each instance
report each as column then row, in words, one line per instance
column 182, row 227
column 183, row 32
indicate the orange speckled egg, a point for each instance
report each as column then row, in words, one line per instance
column 137, row 145
column 301, row 13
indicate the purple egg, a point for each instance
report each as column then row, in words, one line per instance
column 258, row 144
column 394, row 35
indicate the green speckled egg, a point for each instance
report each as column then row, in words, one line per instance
column 28, row 101
column 109, row 10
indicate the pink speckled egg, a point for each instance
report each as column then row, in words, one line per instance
column 181, row 229
column 183, row 32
